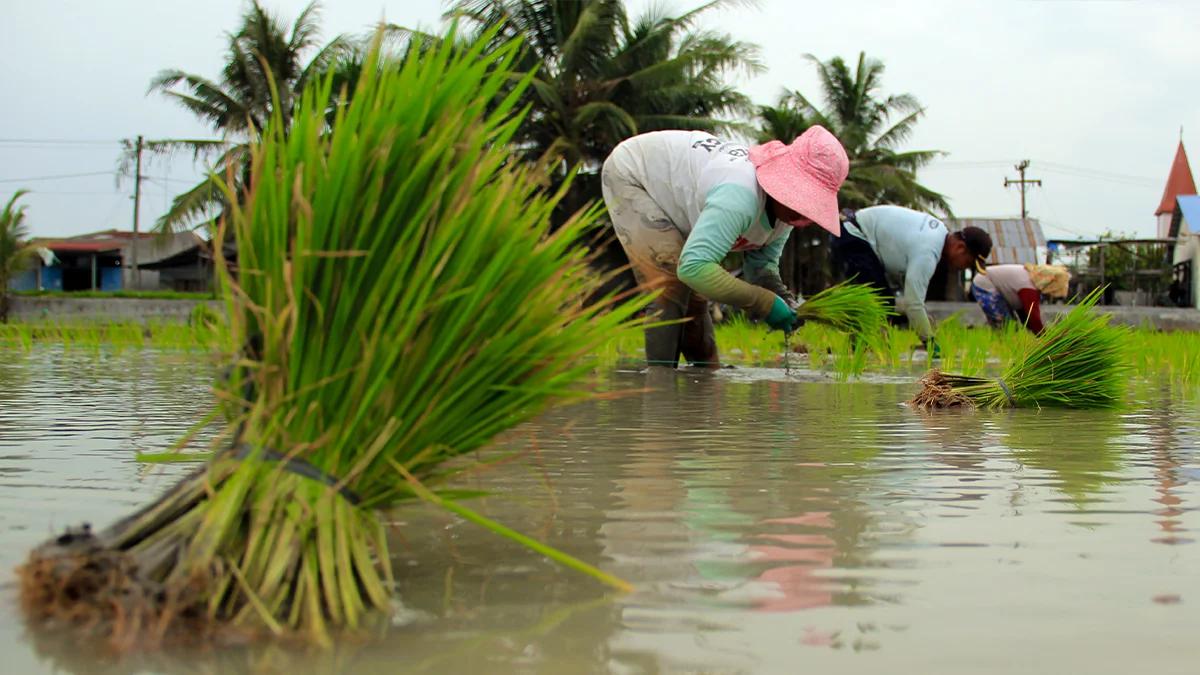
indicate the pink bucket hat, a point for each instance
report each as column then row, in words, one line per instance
column 804, row 176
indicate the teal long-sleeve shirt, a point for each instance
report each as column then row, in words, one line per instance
column 733, row 219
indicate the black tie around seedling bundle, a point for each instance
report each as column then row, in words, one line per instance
column 294, row 465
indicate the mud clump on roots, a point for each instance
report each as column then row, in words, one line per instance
column 74, row 582
column 938, row 392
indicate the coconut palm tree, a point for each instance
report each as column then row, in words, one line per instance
column 15, row 251
column 601, row 78
column 264, row 53
column 867, row 126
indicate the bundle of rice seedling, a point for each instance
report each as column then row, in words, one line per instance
column 399, row 301
column 856, row 309
column 1078, row 362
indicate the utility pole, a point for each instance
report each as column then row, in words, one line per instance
column 137, row 203
column 1022, row 184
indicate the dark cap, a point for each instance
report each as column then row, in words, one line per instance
column 978, row 242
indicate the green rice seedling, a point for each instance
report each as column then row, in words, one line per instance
column 400, row 301
column 1009, row 342
column 1079, row 362
column 828, row 348
column 950, row 335
column 856, row 312
column 963, row 348
column 816, row 342
column 623, row 349
column 976, row 347
column 1184, row 359
column 92, row 336
column 852, row 309
column 855, row 309
column 850, row 359
column 897, row 346
column 744, row 343
column 142, row 295
column 1174, row 356
column 16, row 336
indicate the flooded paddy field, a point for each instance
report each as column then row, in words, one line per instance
column 769, row 523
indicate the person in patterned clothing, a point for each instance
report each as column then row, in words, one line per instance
column 1015, row 292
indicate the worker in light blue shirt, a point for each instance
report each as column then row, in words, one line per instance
column 897, row 250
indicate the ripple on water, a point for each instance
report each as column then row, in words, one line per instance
column 767, row 521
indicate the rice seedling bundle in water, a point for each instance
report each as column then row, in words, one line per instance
column 399, row 301
column 1079, row 362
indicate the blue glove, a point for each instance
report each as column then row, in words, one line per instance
column 782, row 317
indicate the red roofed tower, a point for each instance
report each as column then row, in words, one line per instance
column 1179, row 182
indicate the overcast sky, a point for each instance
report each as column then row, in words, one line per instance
column 1093, row 93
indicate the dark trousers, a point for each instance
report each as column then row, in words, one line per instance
column 859, row 264
column 693, row 338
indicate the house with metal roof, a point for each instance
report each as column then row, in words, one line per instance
column 101, row 261
column 192, row 268
column 1014, row 240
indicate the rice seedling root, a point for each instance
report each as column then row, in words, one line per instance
column 75, row 581
column 160, row 577
column 937, row 391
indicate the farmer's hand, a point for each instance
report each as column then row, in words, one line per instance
column 794, row 303
column 782, row 317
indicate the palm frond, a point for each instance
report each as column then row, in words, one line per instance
column 900, row 131
column 205, row 99
column 199, row 148
column 196, row 205
column 590, row 39
column 15, row 251
column 852, row 111
column 306, row 30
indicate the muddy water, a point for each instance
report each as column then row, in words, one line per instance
column 769, row 524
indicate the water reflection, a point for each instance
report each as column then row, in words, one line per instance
column 766, row 497
column 1077, row 451
column 1169, row 433
column 768, row 524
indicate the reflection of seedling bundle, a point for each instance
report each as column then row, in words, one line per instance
column 1077, row 363
column 1080, row 464
column 399, row 301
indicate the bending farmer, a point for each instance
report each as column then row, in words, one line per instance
column 1014, row 291
column 891, row 247
column 680, row 201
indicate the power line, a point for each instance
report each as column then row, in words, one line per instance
column 165, row 179
column 60, row 141
column 1096, row 172
column 1130, row 181
column 57, row 177
column 112, row 212
column 1050, row 205
column 985, row 164
column 48, row 147
column 1051, row 167
column 73, row 192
